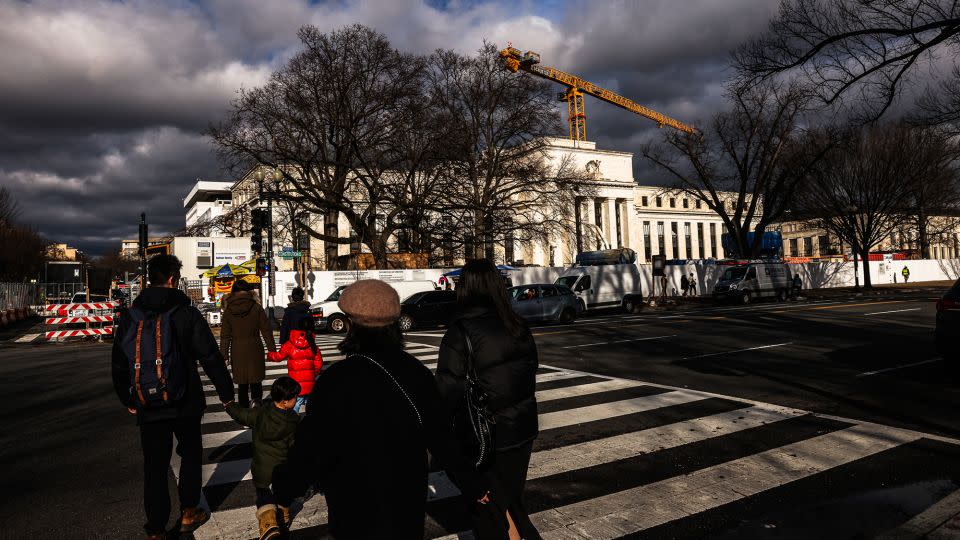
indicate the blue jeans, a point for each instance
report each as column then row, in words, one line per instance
column 301, row 401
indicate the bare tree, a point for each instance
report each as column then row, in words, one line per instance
column 22, row 250
column 932, row 206
column 860, row 193
column 867, row 49
column 746, row 167
column 324, row 122
column 503, row 181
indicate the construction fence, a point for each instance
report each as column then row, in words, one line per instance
column 17, row 301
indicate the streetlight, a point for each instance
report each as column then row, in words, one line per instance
column 853, row 232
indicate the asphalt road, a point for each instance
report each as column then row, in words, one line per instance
column 828, row 419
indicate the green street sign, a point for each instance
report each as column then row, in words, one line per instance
column 290, row 254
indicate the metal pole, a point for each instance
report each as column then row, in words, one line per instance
column 144, row 239
column 273, row 286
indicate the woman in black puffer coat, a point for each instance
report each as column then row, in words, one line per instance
column 505, row 359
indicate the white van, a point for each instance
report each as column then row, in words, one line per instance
column 605, row 285
column 327, row 315
column 747, row 282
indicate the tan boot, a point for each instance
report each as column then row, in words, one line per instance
column 267, row 516
column 192, row 518
column 284, row 515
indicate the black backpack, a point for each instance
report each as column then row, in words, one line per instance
column 157, row 372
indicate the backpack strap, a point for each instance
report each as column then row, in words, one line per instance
column 136, row 365
column 160, row 377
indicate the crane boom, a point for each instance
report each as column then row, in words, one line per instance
column 514, row 60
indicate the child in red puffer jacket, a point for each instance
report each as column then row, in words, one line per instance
column 303, row 362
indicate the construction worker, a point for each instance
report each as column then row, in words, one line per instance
column 906, row 274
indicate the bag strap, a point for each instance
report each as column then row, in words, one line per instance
column 395, row 383
column 160, row 377
column 136, row 365
column 471, row 368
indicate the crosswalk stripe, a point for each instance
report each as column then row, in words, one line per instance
column 602, row 411
column 637, row 509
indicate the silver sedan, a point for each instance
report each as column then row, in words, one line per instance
column 544, row 302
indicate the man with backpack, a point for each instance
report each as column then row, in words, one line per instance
column 156, row 346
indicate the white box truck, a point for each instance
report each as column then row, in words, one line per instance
column 598, row 283
column 328, row 316
column 745, row 283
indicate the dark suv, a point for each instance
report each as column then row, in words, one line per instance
column 948, row 322
column 427, row 308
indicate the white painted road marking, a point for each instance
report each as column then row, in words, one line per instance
column 739, row 350
column 892, row 311
column 618, row 341
column 894, row 368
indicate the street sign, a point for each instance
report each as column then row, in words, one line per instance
column 289, row 254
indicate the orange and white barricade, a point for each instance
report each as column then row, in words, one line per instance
column 63, row 320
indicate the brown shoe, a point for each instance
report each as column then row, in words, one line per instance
column 267, row 518
column 162, row 536
column 192, row 518
column 284, row 515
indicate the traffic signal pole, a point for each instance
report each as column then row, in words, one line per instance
column 271, row 270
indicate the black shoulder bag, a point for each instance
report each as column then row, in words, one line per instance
column 480, row 421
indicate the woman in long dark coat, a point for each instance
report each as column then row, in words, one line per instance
column 505, row 360
column 244, row 324
column 371, row 420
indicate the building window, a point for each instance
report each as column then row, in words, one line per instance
column 598, row 220
column 646, row 240
column 644, row 201
column 659, row 202
column 699, row 204
column 700, row 250
column 673, row 202
column 686, row 203
column 686, row 237
column 508, row 246
column 553, row 255
column 808, row 246
column 823, row 245
column 660, row 240
column 675, row 238
column 617, row 224
column 793, row 248
column 713, row 240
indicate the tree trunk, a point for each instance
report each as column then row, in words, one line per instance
column 922, row 237
column 865, row 259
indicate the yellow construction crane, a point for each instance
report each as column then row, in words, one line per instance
column 529, row 61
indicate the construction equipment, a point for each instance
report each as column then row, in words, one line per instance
column 529, row 61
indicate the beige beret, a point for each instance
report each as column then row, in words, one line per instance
column 370, row 302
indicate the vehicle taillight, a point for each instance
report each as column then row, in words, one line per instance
column 945, row 304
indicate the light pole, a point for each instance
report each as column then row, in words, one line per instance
column 853, row 232
column 268, row 194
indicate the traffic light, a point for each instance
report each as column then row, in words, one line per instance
column 256, row 235
column 261, row 266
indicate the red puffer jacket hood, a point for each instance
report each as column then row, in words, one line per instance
column 303, row 365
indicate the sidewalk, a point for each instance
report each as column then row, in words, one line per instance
column 21, row 329
column 939, row 522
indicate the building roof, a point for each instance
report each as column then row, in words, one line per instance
column 203, row 189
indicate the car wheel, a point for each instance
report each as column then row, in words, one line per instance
column 338, row 324
column 406, row 322
column 781, row 295
column 567, row 316
column 746, row 298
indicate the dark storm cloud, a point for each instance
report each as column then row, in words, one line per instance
column 103, row 104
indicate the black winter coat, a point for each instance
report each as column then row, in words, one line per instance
column 292, row 317
column 196, row 343
column 506, row 368
column 361, row 442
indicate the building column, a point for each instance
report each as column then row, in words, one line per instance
column 610, row 227
column 590, row 224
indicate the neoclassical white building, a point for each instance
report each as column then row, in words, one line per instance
column 618, row 213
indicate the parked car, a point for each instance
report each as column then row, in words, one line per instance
column 427, row 308
column 747, row 282
column 81, row 298
column 948, row 322
column 328, row 316
column 545, row 302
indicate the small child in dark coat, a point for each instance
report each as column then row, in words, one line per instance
column 274, row 425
